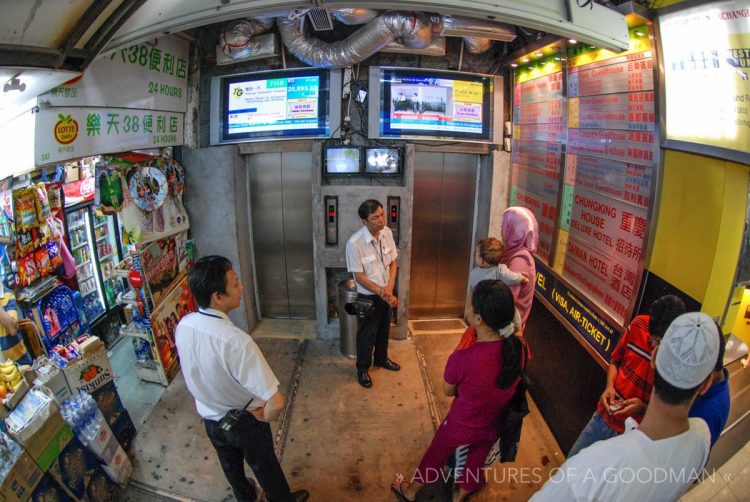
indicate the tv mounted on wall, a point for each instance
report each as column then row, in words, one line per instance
column 285, row 104
column 434, row 105
column 383, row 160
column 342, row 160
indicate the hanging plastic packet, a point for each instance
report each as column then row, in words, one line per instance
column 41, row 202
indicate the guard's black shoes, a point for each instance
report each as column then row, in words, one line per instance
column 363, row 377
column 300, row 495
column 389, row 365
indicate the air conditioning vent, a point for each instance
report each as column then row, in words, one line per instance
column 320, row 19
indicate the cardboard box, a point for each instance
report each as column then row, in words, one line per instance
column 20, row 482
column 109, row 402
column 74, row 468
column 26, row 384
column 49, row 491
column 100, row 488
column 45, row 435
column 124, row 431
column 91, row 370
column 53, row 378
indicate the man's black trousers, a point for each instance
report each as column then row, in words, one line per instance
column 372, row 333
column 251, row 441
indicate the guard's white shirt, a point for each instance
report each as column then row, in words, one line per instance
column 373, row 257
column 222, row 365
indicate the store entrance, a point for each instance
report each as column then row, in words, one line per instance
column 444, row 191
column 281, row 208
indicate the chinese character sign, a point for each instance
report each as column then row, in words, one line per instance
column 68, row 133
column 144, row 76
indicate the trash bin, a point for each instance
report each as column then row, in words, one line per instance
column 347, row 322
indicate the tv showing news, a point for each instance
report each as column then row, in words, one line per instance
column 288, row 104
column 379, row 160
column 431, row 104
column 342, row 160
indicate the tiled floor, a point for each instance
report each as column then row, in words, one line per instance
column 138, row 397
column 325, row 372
column 731, row 482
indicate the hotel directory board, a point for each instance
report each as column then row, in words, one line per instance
column 536, row 161
column 592, row 173
column 612, row 151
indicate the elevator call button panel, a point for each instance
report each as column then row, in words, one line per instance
column 393, row 212
column 332, row 219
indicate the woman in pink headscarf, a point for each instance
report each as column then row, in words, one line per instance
column 520, row 234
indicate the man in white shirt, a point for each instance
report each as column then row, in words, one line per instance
column 371, row 256
column 235, row 390
column 661, row 458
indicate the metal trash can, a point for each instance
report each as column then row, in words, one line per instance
column 347, row 323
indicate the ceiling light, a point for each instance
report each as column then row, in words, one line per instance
column 638, row 33
column 525, row 60
column 573, row 41
column 538, row 54
column 514, row 64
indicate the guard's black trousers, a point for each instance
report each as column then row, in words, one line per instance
column 251, row 441
column 372, row 332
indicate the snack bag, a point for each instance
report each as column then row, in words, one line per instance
column 42, row 261
column 27, row 270
column 24, row 203
column 24, row 243
column 54, row 195
column 41, row 202
column 55, row 257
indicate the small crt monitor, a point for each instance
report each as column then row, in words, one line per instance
column 342, row 160
column 380, row 160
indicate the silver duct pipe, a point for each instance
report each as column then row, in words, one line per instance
column 411, row 29
column 457, row 26
column 354, row 16
column 236, row 39
column 477, row 45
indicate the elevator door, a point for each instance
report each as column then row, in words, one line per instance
column 281, row 209
column 444, row 187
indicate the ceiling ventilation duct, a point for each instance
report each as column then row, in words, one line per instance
column 320, row 19
column 354, row 16
column 455, row 26
column 411, row 29
column 477, row 45
column 237, row 39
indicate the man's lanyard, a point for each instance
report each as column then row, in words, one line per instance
column 379, row 252
column 209, row 315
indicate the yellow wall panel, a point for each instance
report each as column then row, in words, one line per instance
column 699, row 229
column 729, row 240
column 689, row 221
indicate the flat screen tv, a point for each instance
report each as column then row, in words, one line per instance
column 436, row 105
column 342, row 160
column 383, row 161
column 285, row 104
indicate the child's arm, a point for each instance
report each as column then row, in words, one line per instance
column 516, row 322
column 509, row 277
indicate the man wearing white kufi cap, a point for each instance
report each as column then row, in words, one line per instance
column 660, row 459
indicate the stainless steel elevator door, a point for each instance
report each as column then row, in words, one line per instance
column 281, row 208
column 444, row 188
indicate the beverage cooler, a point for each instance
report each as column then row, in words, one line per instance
column 94, row 242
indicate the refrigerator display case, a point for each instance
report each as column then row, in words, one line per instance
column 95, row 246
